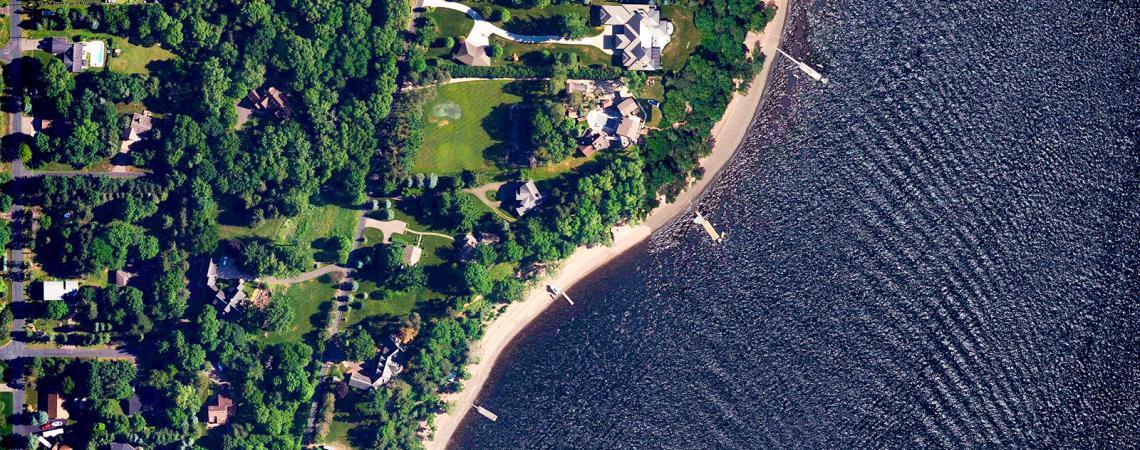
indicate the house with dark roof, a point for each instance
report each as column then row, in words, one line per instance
column 229, row 297
column 271, row 100
column 472, row 55
column 527, row 197
column 55, row 409
column 121, row 446
column 636, row 31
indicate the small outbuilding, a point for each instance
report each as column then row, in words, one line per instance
column 412, row 254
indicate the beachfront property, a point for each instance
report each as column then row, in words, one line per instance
column 386, row 369
column 637, row 31
column 78, row 56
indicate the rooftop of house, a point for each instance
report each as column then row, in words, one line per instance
column 123, row 277
column 472, row 55
column 528, row 197
column 55, row 409
column 638, row 31
column 628, row 107
column 359, row 381
column 219, row 412
column 629, row 130
column 121, row 446
column 55, row 290
column 412, row 254
column 139, row 126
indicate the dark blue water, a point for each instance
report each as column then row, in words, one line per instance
column 939, row 249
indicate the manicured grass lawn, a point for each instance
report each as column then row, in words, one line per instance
column 466, row 126
column 306, row 298
column 6, row 413
column 449, row 22
column 372, row 236
column 539, row 21
column 133, row 59
column 531, row 54
column 313, row 223
column 553, row 170
column 685, row 37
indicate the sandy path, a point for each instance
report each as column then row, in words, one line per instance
column 728, row 132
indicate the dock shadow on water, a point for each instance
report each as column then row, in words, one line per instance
column 938, row 249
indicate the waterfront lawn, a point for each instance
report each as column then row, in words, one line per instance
column 310, row 300
column 685, row 37
column 466, row 126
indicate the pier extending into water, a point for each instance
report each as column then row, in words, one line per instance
column 702, row 221
column 809, row 70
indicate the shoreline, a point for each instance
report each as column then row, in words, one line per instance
column 728, row 133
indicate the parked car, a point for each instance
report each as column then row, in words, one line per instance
column 50, row 425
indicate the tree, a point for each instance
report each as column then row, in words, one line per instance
column 477, row 279
column 357, row 345
column 495, row 50
column 552, row 134
column 507, row 290
column 56, row 310
column 279, row 315
column 574, row 26
column 502, row 15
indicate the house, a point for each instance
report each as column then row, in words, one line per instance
column 412, row 254
column 140, row 125
column 228, row 298
column 472, row 55
column 600, row 142
column 218, row 413
column 629, row 130
column 59, row 45
column 84, row 55
column 350, row 366
column 528, row 198
column 121, row 446
column 56, row 290
column 359, row 381
column 636, row 31
column 388, row 367
column 134, row 405
column 629, row 107
column 273, row 101
column 55, row 409
column 123, row 277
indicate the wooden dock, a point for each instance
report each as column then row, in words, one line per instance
column 809, row 70
column 486, row 413
column 701, row 220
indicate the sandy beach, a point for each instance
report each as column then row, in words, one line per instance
column 728, row 134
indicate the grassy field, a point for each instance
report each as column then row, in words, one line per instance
column 466, row 126
column 313, row 223
column 685, row 37
column 306, row 298
column 133, row 59
column 531, row 54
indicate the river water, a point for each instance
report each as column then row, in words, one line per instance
column 938, row 249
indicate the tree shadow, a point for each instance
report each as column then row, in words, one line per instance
column 537, row 26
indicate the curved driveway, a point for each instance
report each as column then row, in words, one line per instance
column 481, row 32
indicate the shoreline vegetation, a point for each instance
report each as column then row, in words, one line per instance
column 727, row 133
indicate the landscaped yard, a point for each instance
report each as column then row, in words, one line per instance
column 133, row 59
column 306, row 298
column 314, row 223
column 466, row 126
column 531, row 54
column 685, row 36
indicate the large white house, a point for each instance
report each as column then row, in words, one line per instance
column 637, row 31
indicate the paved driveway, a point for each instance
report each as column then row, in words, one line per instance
column 481, row 32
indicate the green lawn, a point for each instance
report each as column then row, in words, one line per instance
column 133, row 59
column 306, row 298
column 685, row 37
column 539, row 21
column 313, row 223
column 466, row 125
column 449, row 22
column 531, row 54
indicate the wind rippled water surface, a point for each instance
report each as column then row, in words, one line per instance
column 939, row 249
